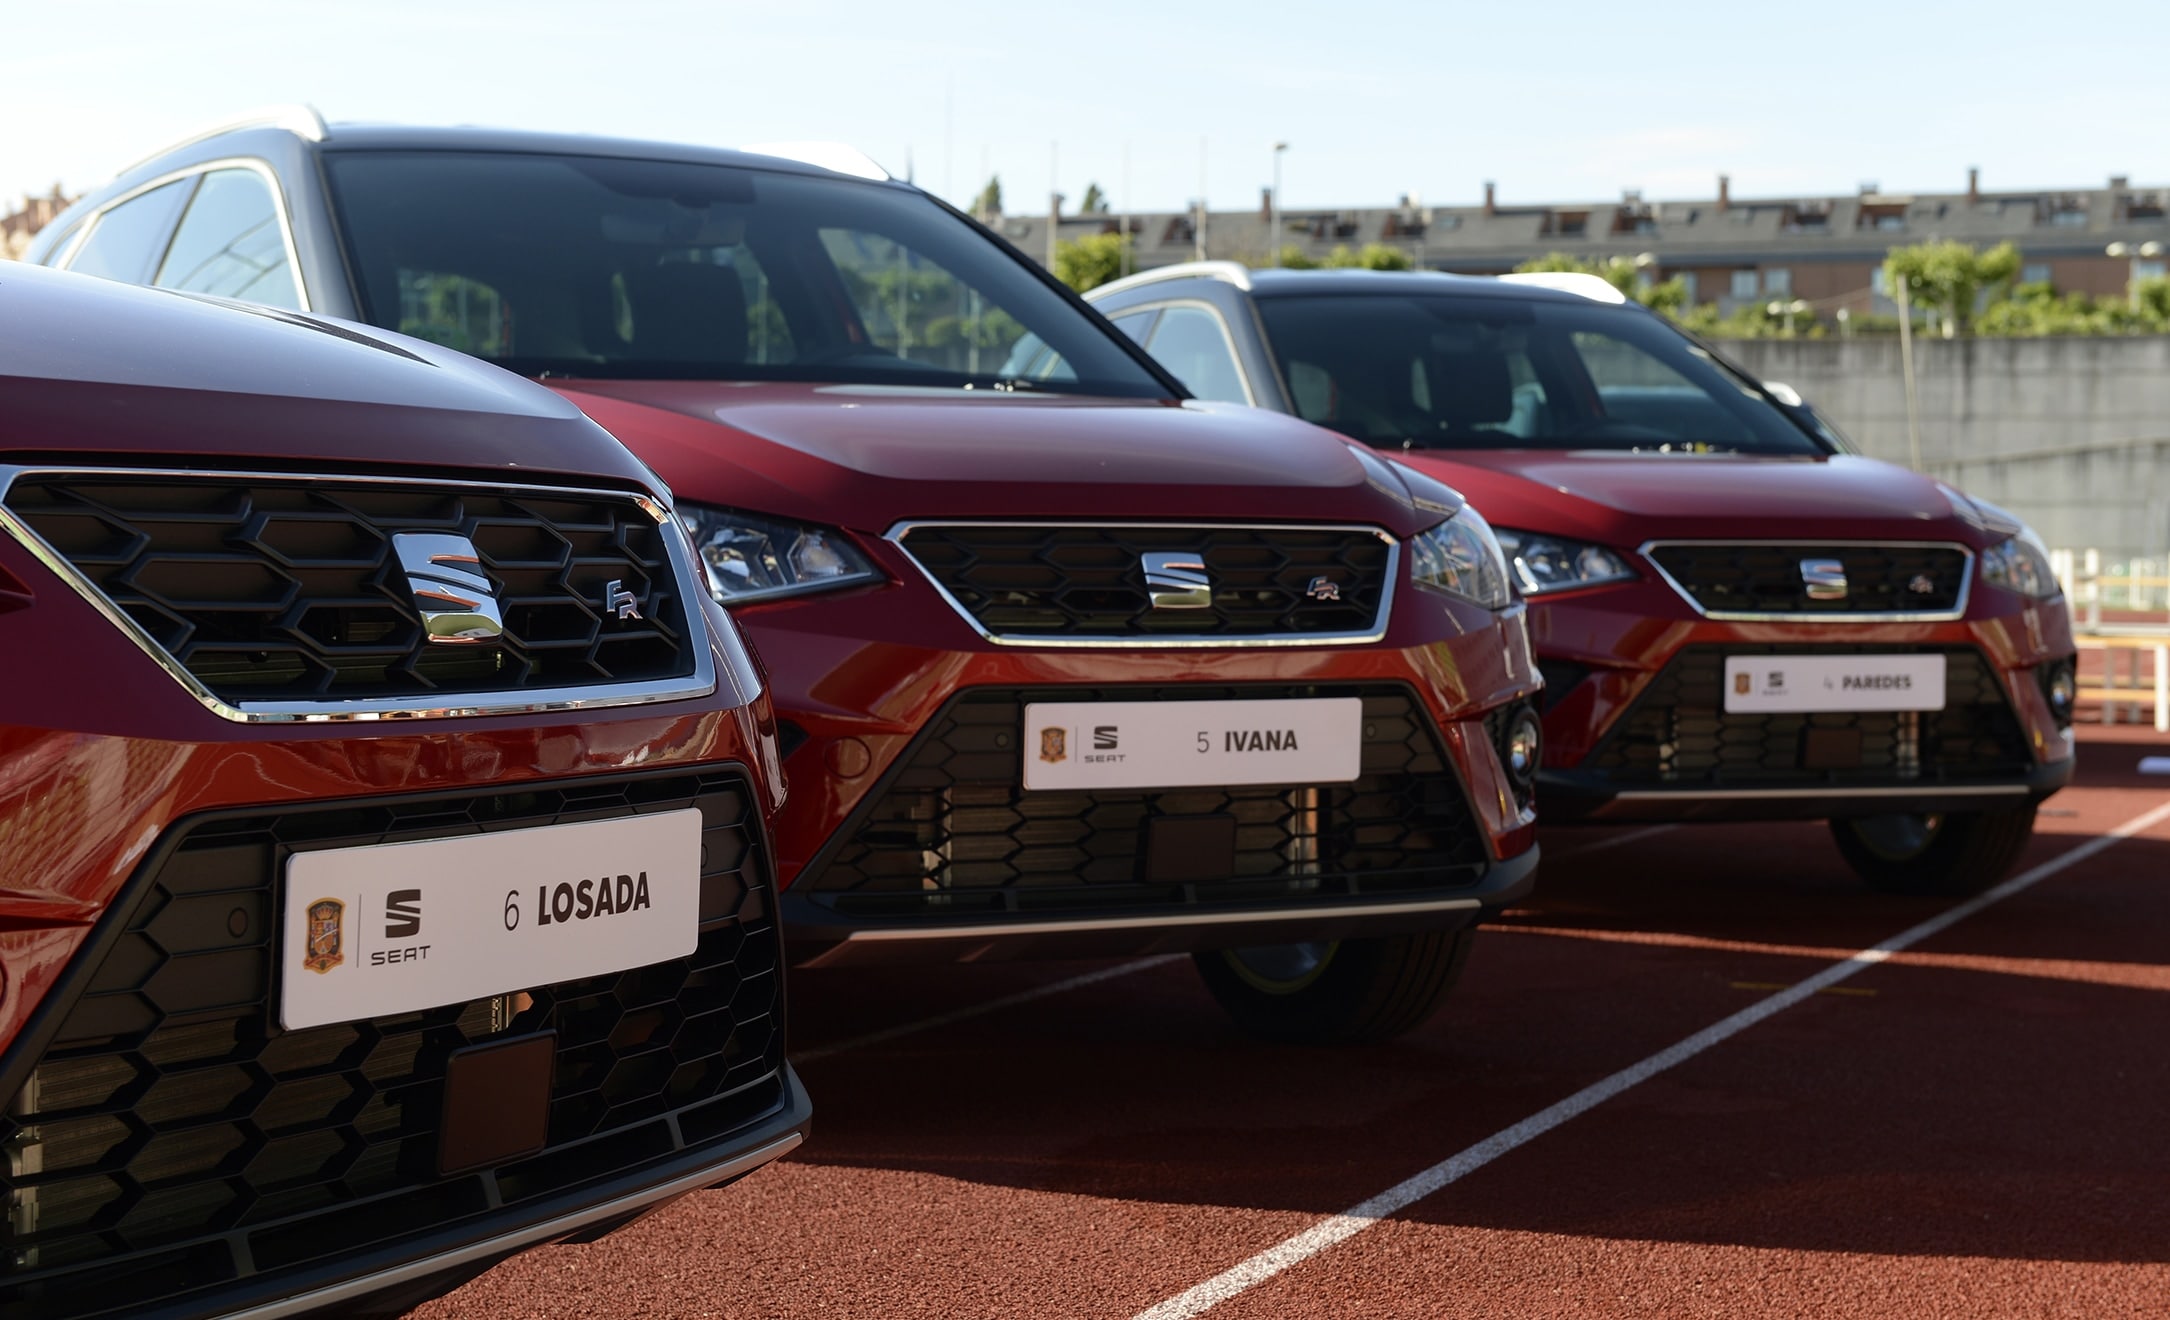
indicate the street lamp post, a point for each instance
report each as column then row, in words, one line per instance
column 2134, row 253
column 1273, row 206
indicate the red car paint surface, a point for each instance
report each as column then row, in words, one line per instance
column 1626, row 633
column 862, row 670
column 818, row 357
column 106, row 759
column 1589, row 431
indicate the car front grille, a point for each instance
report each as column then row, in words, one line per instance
column 291, row 589
column 1069, row 582
column 952, row 831
column 170, row 1138
column 1727, row 579
column 1679, row 734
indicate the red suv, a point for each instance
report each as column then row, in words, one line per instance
column 1064, row 664
column 1736, row 618
column 381, row 809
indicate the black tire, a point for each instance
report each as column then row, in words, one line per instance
column 1939, row 854
column 1344, row 992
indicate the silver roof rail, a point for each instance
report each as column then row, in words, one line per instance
column 1227, row 272
column 1593, row 287
column 302, row 121
column 835, row 157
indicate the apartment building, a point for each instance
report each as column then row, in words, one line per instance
column 1827, row 251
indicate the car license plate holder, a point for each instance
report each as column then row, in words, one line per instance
column 401, row 927
column 1817, row 684
column 1192, row 744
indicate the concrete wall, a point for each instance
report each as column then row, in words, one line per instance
column 2071, row 433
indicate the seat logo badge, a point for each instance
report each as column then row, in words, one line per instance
column 403, row 914
column 616, row 599
column 1177, row 580
column 1323, row 588
column 1052, row 746
column 1824, row 578
column 452, row 593
column 322, row 952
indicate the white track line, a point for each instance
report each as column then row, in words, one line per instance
column 1339, row 1228
column 988, row 1006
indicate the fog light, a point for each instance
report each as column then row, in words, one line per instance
column 2060, row 688
column 1525, row 746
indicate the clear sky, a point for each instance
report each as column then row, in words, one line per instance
column 1563, row 99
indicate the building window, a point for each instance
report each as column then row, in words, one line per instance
column 2034, row 272
column 1778, row 280
column 1744, row 284
column 1687, row 281
column 2148, row 270
column 2068, row 219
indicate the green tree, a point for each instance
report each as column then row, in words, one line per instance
column 1667, row 296
column 989, row 201
column 1373, row 256
column 1947, row 279
column 1091, row 261
column 1096, row 201
column 2153, row 299
column 2036, row 310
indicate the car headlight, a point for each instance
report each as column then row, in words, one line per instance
column 1462, row 558
column 751, row 558
column 1551, row 563
column 2021, row 564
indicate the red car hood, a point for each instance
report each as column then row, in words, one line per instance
column 867, row 457
column 1625, row 499
column 111, row 373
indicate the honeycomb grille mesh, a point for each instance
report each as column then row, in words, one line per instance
column 291, row 590
column 952, row 829
column 1766, row 579
column 169, row 1137
column 1678, row 731
column 1082, row 581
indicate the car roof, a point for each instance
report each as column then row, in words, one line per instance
column 401, row 137
column 1554, row 288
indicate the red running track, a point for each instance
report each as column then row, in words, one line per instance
column 1978, row 1126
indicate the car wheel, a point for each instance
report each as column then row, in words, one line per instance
column 1946, row 854
column 1337, row 992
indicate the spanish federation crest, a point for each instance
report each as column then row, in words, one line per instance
column 1052, row 746
column 326, row 919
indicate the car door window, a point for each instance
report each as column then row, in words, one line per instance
column 128, row 238
column 1137, row 325
column 231, row 243
column 1192, row 343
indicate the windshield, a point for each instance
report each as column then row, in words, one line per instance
column 1424, row 371
column 636, row 269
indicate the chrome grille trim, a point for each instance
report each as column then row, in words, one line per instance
column 1161, row 641
column 1957, row 611
column 542, row 700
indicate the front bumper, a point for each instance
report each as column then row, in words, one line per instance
column 387, row 1278
column 907, row 834
column 820, row 938
column 1637, row 730
column 171, row 1152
